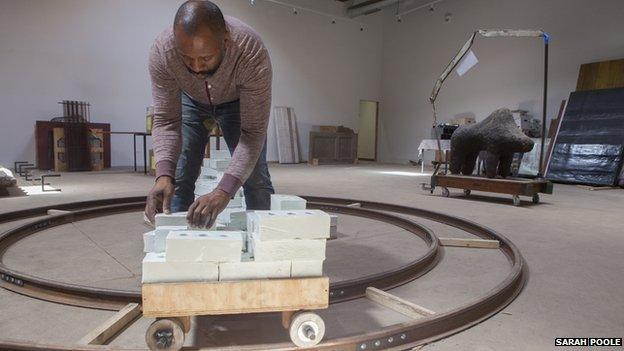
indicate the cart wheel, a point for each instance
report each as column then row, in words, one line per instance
column 446, row 192
column 165, row 334
column 535, row 198
column 307, row 329
column 432, row 189
column 467, row 192
column 516, row 200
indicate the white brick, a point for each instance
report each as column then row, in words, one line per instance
column 222, row 154
column 206, row 161
column 235, row 202
column 333, row 232
column 238, row 219
column 333, row 220
column 160, row 236
column 287, row 202
column 177, row 219
column 224, row 217
column 203, row 187
column 219, row 165
column 149, row 241
column 209, row 173
column 254, row 270
column 204, row 246
column 287, row 225
column 227, row 227
column 287, row 250
column 310, row 268
column 157, row 270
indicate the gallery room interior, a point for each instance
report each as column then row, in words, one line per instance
column 311, row 174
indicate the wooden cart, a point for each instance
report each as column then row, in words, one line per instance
column 173, row 304
column 513, row 186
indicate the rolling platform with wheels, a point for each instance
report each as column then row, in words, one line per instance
column 173, row 304
column 513, row 186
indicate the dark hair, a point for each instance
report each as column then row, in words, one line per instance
column 194, row 15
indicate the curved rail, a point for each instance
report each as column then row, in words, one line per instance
column 100, row 298
column 398, row 336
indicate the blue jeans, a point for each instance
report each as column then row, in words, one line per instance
column 196, row 119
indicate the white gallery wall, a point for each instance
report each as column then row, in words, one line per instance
column 509, row 72
column 96, row 51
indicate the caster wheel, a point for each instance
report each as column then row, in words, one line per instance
column 536, row 198
column 446, row 192
column 516, row 200
column 467, row 192
column 165, row 334
column 307, row 329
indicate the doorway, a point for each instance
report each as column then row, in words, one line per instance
column 367, row 135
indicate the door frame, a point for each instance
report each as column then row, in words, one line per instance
column 376, row 130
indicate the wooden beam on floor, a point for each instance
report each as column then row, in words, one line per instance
column 397, row 304
column 463, row 242
column 596, row 188
column 118, row 322
column 52, row 212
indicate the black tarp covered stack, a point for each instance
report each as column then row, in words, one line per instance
column 589, row 147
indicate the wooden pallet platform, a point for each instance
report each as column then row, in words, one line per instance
column 511, row 186
column 232, row 297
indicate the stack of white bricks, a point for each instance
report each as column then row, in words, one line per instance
column 291, row 202
column 287, row 241
column 289, row 233
column 211, row 173
column 177, row 253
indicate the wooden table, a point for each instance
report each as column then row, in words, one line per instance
column 134, row 137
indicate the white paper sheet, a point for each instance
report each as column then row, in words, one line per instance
column 469, row 61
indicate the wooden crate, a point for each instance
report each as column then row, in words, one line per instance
column 96, row 148
column 232, row 297
column 332, row 148
column 44, row 135
column 60, row 150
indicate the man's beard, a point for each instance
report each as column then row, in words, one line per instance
column 208, row 73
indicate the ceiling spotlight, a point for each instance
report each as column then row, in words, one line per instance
column 252, row 2
column 295, row 12
column 333, row 21
column 361, row 29
column 398, row 18
column 431, row 8
column 447, row 17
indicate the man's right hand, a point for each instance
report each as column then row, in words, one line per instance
column 159, row 198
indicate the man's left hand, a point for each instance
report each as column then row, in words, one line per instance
column 204, row 211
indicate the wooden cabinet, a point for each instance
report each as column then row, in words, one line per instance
column 332, row 148
column 44, row 135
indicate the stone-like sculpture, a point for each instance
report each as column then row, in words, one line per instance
column 498, row 134
column 6, row 178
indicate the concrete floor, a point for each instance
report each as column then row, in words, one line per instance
column 572, row 241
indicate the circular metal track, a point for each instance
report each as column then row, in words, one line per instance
column 84, row 296
column 399, row 336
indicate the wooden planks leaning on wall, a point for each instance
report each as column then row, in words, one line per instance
column 601, row 75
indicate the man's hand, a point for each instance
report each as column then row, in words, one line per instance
column 204, row 211
column 159, row 198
